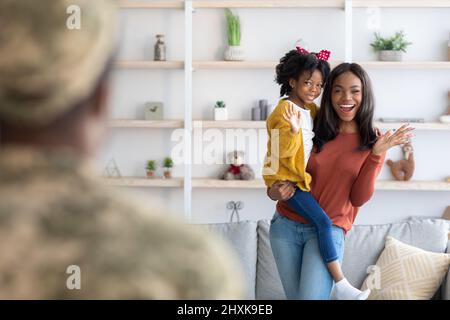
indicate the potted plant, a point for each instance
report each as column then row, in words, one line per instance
column 151, row 167
column 220, row 111
column 390, row 49
column 167, row 165
column 234, row 52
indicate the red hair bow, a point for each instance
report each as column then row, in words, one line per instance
column 322, row 55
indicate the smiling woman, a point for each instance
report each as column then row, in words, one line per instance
column 347, row 96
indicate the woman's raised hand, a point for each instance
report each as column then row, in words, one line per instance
column 392, row 138
column 293, row 117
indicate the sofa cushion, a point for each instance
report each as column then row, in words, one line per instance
column 242, row 238
column 446, row 284
column 268, row 283
column 364, row 243
column 406, row 273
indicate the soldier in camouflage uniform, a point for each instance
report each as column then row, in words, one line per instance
column 53, row 212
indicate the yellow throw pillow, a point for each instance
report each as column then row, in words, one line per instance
column 404, row 272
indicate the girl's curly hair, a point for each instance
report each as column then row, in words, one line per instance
column 294, row 64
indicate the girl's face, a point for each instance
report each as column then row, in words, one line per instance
column 346, row 95
column 308, row 87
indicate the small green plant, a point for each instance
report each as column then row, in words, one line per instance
column 233, row 28
column 396, row 43
column 151, row 165
column 168, row 162
column 220, row 104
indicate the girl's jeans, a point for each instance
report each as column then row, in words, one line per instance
column 303, row 272
column 304, row 204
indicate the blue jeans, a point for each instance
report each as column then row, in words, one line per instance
column 304, row 204
column 303, row 272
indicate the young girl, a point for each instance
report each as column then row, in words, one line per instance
column 301, row 76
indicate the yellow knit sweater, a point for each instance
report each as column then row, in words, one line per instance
column 290, row 163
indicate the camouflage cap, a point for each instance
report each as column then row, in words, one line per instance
column 52, row 53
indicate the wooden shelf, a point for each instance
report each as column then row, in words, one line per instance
column 259, row 184
column 402, row 3
column 136, row 64
column 405, row 64
column 177, row 4
column 237, row 124
column 429, row 126
column 231, row 124
column 227, row 184
column 270, row 4
column 413, row 185
column 234, row 65
column 122, row 123
column 167, row 4
column 380, row 185
column 224, row 65
column 230, row 65
column 144, row 182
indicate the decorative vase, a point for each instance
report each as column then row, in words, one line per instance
column 256, row 114
column 264, row 107
column 390, row 55
column 167, row 173
column 160, row 48
column 220, row 114
column 234, row 53
column 150, row 174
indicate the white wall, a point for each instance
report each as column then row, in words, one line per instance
column 267, row 35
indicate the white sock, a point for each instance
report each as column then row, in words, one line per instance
column 345, row 291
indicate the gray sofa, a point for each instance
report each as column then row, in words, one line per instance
column 363, row 245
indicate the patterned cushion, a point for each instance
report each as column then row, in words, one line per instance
column 405, row 272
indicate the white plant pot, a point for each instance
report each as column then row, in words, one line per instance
column 390, row 55
column 220, row 114
column 234, row 53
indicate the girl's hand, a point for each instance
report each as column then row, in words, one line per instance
column 392, row 138
column 281, row 190
column 293, row 117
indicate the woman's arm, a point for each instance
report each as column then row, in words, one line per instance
column 364, row 186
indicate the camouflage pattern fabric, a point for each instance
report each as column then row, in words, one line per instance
column 47, row 66
column 53, row 215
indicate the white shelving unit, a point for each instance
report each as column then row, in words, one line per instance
column 188, row 65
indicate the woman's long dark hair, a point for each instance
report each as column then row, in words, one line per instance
column 327, row 122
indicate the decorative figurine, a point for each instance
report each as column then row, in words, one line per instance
column 237, row 170
column 112, row 170
column 403, row 170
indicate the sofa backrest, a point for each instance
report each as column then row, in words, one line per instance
column 243, row 239
column 363, row 245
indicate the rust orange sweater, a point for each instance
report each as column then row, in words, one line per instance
column 343, row 179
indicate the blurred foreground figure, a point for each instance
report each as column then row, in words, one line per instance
column 64, row 235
